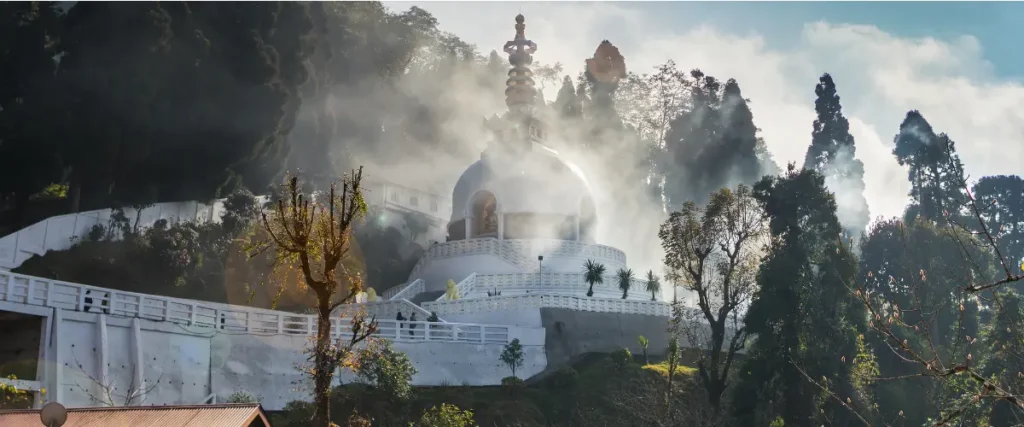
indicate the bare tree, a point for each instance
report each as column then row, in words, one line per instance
column 109, row 394
column 715, row 252
column 309, row 238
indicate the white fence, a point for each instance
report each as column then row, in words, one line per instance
column 460, row 248
column 516, row 302
column 523, row 253
column 530, row 248
column 31, row 290
column 406, row 291
column 558, row 283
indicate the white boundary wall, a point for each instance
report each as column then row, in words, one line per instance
column 187, row 351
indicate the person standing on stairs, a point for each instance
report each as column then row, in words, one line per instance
column 400, row 319
column 412, row 318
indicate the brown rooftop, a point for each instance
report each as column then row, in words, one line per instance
column 227, row 415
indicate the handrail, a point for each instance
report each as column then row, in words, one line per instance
column 414, row 288
column 462, row 289
column 23, row 289
column 513, row 302
column 533, row 282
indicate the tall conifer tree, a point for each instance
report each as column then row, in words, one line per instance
column 833, row 154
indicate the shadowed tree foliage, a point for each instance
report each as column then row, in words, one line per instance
column 713, row 144
column 804, row 316
column 1001, row 202
column 833, row 154
column 29, row 42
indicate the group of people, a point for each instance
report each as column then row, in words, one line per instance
column 412, row 318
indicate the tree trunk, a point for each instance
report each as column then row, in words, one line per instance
column 323, row 372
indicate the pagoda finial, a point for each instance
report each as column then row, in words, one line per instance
column 520, row 91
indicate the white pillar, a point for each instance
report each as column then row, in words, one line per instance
column 501, row 225
column 139, row 382
column 469, row 227
column 576, row 224
column 101, row 324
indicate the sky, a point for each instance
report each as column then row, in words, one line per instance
column 955, row 62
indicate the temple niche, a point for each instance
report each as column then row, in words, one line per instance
column 484, row 214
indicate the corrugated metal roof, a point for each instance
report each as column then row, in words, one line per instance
column 234, row 415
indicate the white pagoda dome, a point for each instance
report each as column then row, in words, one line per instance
column 523, row 218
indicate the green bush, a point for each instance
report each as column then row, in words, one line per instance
column 512, row 385
column 388, row 370
column 621, row 358
column 447, row 416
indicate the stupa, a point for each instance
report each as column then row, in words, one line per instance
column 523, row 219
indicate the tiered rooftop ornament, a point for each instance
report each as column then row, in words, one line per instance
column 521, row 128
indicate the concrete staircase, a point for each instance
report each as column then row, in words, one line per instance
column 426, row 296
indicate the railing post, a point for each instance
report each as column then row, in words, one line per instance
column 79, row 293
column 110, row 302
column 280, row 323
column 309, row 325
column 49, row 293
column 216, row 320
column 192, row 315
column 248, row 322
column 28, row 292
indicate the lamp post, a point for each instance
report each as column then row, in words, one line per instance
column 540, row 270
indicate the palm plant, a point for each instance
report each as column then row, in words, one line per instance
column 593, row 272
column 625, row 281
column 653, row 284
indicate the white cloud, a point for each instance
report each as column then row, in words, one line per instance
column 880, row 78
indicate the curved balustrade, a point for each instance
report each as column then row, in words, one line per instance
column 531, row 248
column 22, row 289
column 563, row 282
column 460, row 248
column 516, row 302
column 523, row 253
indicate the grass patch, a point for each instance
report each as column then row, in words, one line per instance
column 662, row 369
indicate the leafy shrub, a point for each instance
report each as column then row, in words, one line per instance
column 243, row 396
column 512, row 385
column 621, row 358
column 388, row 370
column 447, row 415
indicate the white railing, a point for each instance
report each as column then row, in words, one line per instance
column 480, row 246
column 462, row 289
column 390, row 292
column 531, row 248
column 22, row 289
column 410, row 290
column 522, row 253
column 563, row 282
column 515, row 302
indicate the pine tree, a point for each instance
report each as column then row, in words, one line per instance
column 935, row 171
column 833, row 154
column 713, row 144
column 567, row 104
